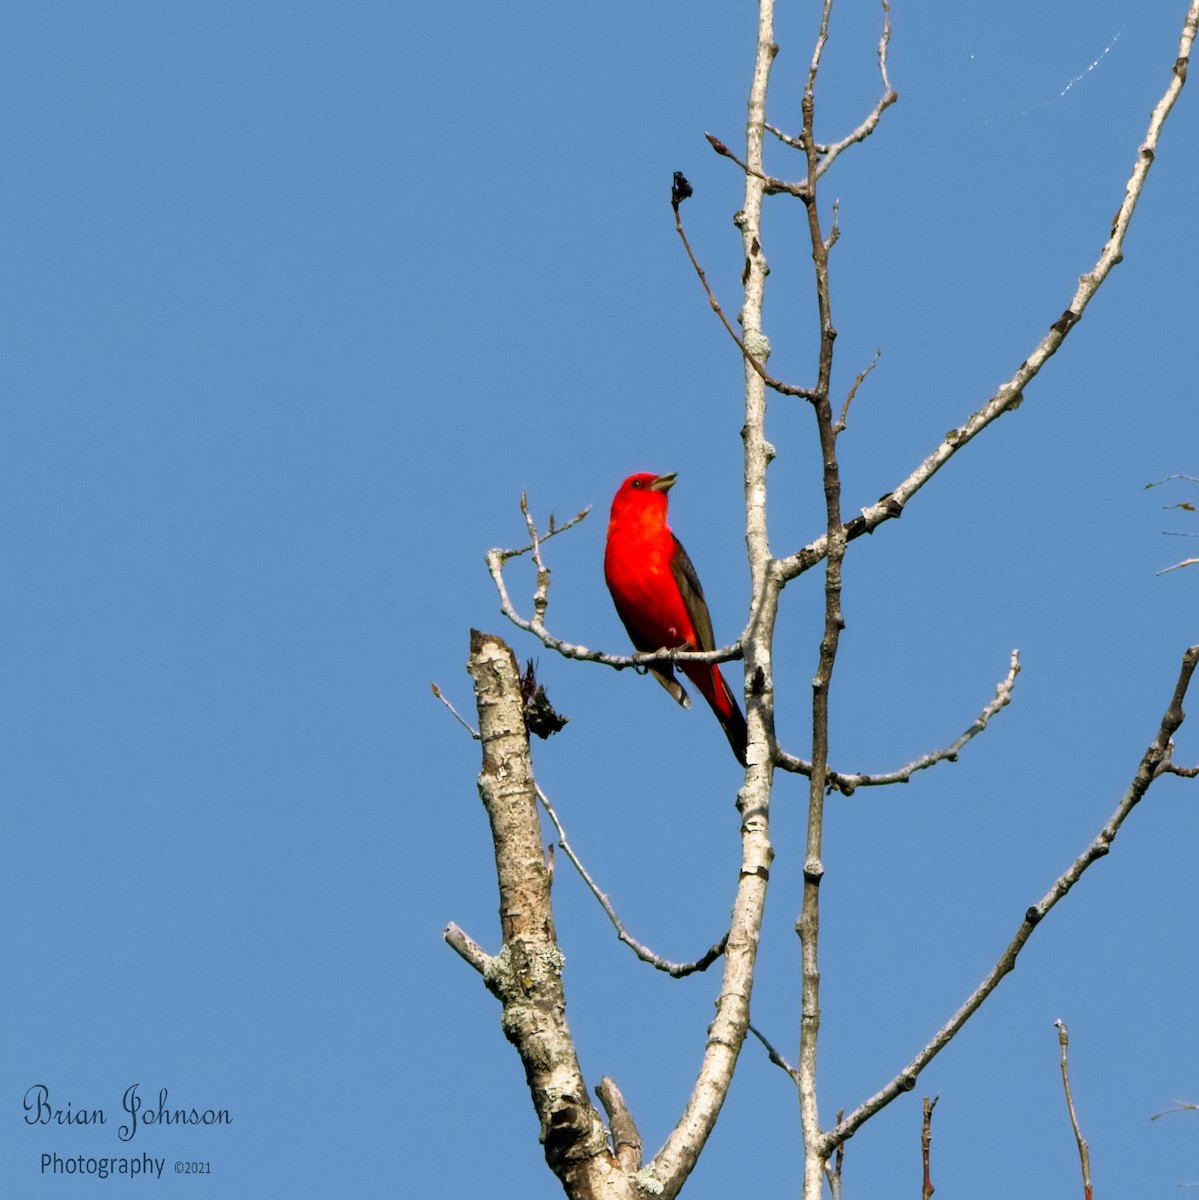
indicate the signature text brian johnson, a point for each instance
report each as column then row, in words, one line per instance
column 40, row 1110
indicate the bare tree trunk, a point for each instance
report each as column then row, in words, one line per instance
column 526, row 975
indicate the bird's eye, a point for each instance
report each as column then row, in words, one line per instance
column 636, row 483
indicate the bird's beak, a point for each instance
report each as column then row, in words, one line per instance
column 663, row 483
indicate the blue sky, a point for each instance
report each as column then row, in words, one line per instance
column 298, row 299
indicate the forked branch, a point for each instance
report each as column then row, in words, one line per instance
column 828, row 152
column 1010, row 394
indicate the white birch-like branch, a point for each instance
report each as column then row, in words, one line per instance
column 526, row 975
column 673, row 1163
column 468, row 949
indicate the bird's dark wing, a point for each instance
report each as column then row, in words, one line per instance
column 693, row 596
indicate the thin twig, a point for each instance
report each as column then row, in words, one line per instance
column 541, row 596
column 834, row 234
column 889, row 96
column 926, row 1141
column 1179, row 1106
column 1169, row 478
column 833, row 1173
column 773, row 186
column 807, row 136
column 785, row 389
column 775, row 1057
column 677, row 970
column 829, row 151
column 1186, row 562
column 1084, row 1151
column 1154, row 763
column 847, row 784
column 457, row 716
column 857, row 383
column 795, row 142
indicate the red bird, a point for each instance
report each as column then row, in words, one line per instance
column 658, row 597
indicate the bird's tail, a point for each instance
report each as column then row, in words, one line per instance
column 720, row 696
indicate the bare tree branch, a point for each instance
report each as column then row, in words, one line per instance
column 1010, row 394
column 626, row 1139
column 857, row 383
column 756, row 357
column 808, row 924
column 772, row 185
column 1179, row 1106
column 1084, row 1151
column 671, row 1166
column 833, row 1172
column 926, row 1141
column 1169, row 479
column 1186, row 562
column 847, row 784
column 474, row 733
column 775, row 1057
column 1153, row 764
column 870, row 124
column 526, row 975
column 828, row 152
column 467, row 947
column 678, row 970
